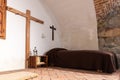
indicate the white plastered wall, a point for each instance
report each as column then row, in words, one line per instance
column 12, row 49
column 77, row 19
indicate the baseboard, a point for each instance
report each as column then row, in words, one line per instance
column 6, row 72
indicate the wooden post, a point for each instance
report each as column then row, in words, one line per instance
column 27, row 37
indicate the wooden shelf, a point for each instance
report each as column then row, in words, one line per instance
column 35, row 61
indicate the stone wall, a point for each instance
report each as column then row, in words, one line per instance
column 104, row 7
column 108, row 17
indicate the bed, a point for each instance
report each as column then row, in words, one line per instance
column 83, row 59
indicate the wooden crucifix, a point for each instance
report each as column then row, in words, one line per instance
column 53, row 28
column 28, row 17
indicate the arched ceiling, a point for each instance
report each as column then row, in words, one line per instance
column 69, row 12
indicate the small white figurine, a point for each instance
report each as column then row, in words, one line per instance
column 35, row 51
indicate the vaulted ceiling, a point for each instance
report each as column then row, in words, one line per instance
column 69, row 12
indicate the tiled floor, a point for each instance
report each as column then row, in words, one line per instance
column 72, row 74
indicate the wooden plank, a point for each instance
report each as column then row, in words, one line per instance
column 27, row 37
column 16, row 11
column 36, row 20
column 3, row 19
column 23, row 14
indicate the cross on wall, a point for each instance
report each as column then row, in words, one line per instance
column 52, row 28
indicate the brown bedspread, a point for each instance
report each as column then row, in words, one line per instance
column 83, row 59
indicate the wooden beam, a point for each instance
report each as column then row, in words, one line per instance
column 27, row 37
column 23, row 14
